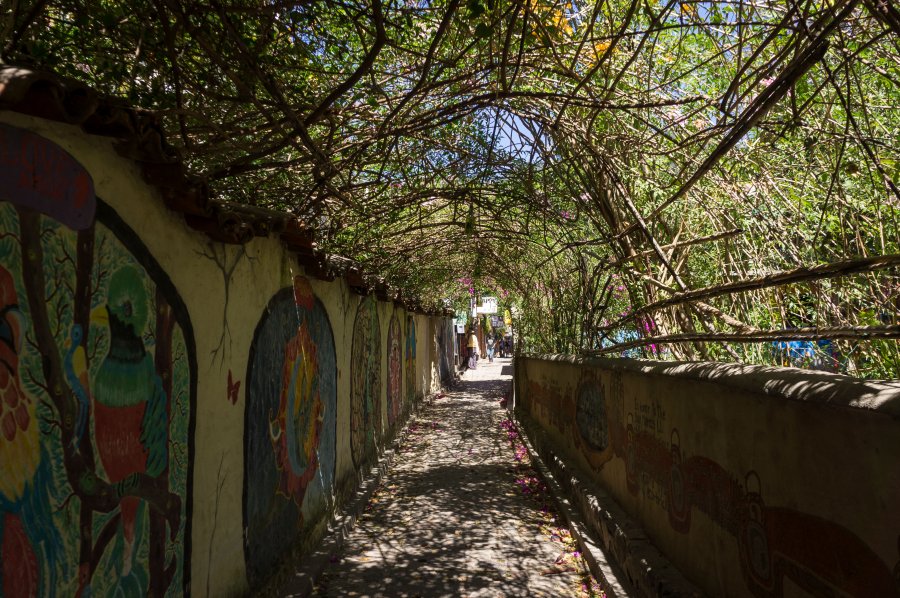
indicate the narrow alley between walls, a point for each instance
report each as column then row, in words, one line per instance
column 460, row 512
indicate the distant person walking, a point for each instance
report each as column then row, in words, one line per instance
column 473, row 352
column 490, row 349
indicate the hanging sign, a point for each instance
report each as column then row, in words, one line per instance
column 488, row 305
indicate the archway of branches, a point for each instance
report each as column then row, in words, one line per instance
column 677, row 179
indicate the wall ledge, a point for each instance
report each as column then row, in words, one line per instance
column 836, row 390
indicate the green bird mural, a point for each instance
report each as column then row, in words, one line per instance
column 130, row 406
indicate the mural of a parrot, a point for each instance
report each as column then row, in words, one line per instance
column 130, row 417
column 77, row 376
column 29, row 541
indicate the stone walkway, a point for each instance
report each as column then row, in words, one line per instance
column 452, row 516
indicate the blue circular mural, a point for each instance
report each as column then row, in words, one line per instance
column 289, row 427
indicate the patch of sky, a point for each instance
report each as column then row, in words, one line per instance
column 515, row 136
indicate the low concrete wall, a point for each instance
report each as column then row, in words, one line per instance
column 144, row 365
column 754, row 481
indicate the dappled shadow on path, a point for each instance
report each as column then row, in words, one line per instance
column 449, row 519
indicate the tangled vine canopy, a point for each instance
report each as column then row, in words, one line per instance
column 680, row 178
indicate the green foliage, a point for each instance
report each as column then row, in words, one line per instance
column 516, row 141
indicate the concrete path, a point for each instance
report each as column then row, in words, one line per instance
column 457, row 514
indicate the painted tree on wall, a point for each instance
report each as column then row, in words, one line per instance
column 291, row 409
column 97, row 390
column 395, row 367
column 365, row 379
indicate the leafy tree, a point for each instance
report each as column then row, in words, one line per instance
column 593, row 158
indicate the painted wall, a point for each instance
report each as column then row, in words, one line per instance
column 444, row 337
column 394, row 371
column 167, row 402
column 754, row 481
column 366, row 416
column 290, row 427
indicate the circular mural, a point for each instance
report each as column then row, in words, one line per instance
column 395, row 367
column 590, row 413
column 289, row 426
column 365, row 382
column 410, row 359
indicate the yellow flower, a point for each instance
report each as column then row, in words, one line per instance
column 561, row 22
column 600, row 48
column 551, row 14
